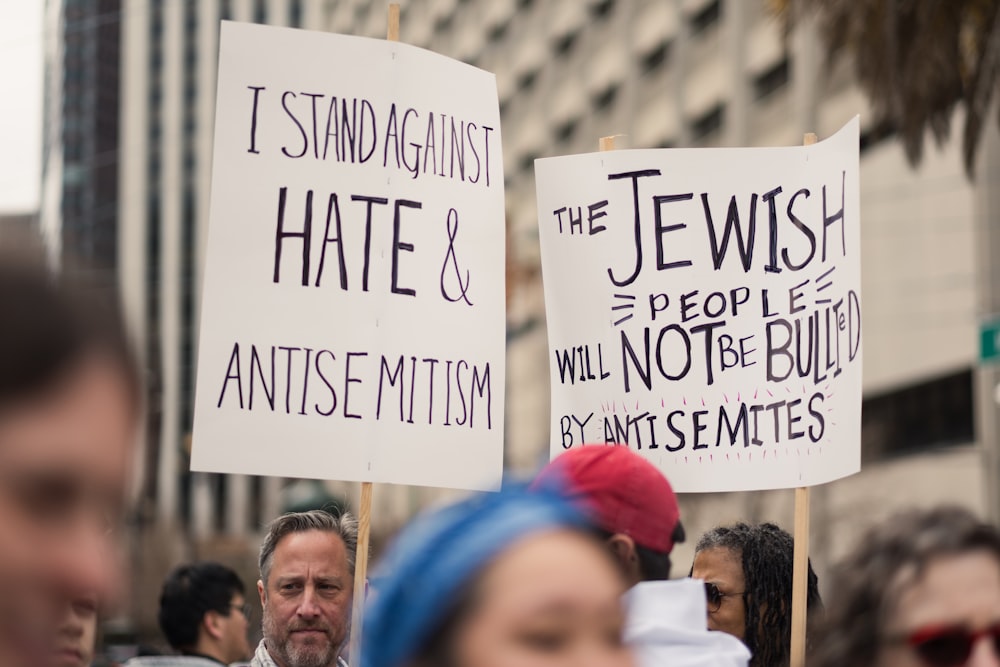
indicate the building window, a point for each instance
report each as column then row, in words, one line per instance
column 295, row 13
column 566, row 131
column 156, row 24
column 606, row 97
column 707, row 17
column 602, row 9
column 932, row 414
column 184, row 493
column 654, row 59
column 527, row 162
column 565, row 43
column 444, row 23
column 153, row 266
column 257, row 517
column 190, row 20
column 219, row 493
column 498, row 31
column 709, row 122
column 771, row 80
column 527, row 80
column 187, row 308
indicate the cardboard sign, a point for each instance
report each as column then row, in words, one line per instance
column 703, row 309
column 353, row 316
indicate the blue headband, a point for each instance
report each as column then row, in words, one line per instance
column 440, row 552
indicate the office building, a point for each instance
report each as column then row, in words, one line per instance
column 664, row 73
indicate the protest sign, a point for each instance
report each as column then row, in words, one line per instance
column 704, row 309
column 352, row 323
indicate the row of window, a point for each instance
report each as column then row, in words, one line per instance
column 764, row 84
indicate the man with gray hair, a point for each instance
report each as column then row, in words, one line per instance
column 306, row 589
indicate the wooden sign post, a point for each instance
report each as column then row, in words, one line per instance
column 800, row 571
column 365, row 507
column 361, row 567
column 800, row 563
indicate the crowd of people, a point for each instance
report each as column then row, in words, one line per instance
column 571, row 568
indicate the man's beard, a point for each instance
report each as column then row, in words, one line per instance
column 321, row 653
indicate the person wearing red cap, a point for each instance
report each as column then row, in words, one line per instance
column 634, row 510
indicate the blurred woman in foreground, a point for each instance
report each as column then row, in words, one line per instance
column 497, row 580
column 921, row 589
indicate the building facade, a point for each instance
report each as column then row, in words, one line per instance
column 79, row 202
column 663, row 73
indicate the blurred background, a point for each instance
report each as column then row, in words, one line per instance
column 106, row 120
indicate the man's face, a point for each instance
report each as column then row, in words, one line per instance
column 233, row 632
column 307, row 599
column 64, row 456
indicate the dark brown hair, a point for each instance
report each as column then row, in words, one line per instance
column 888, row 559
column 47, row 326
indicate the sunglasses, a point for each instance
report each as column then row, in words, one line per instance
column 713, row 596
column 949, row 646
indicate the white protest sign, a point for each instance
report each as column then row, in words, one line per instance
column 353, row 317
column 703, row 308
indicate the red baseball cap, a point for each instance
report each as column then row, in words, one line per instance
column 623, row 492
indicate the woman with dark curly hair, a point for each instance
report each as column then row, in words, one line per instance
column 747, row 570
column 921, row 589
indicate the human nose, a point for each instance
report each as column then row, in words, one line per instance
column 308, row 606
column 87, row 565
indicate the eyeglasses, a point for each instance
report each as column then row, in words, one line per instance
column 714, row 596
column 244, row 609
column 949, row 646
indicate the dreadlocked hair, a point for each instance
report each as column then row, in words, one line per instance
column 766, row 553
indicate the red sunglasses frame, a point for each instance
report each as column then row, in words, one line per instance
column 926, row 634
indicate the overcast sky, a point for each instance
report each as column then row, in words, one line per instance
column 20, row 103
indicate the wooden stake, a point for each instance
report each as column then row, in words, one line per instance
column 607, row 143
column 800, row 569
column 800, row 564
column 365, row 510
column 361, row 572
column 392, row 34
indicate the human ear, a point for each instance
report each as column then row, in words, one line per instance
column 262, row 593
column 623, row 549
column 212, row 622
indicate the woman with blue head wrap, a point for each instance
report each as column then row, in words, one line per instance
column 507, row 579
